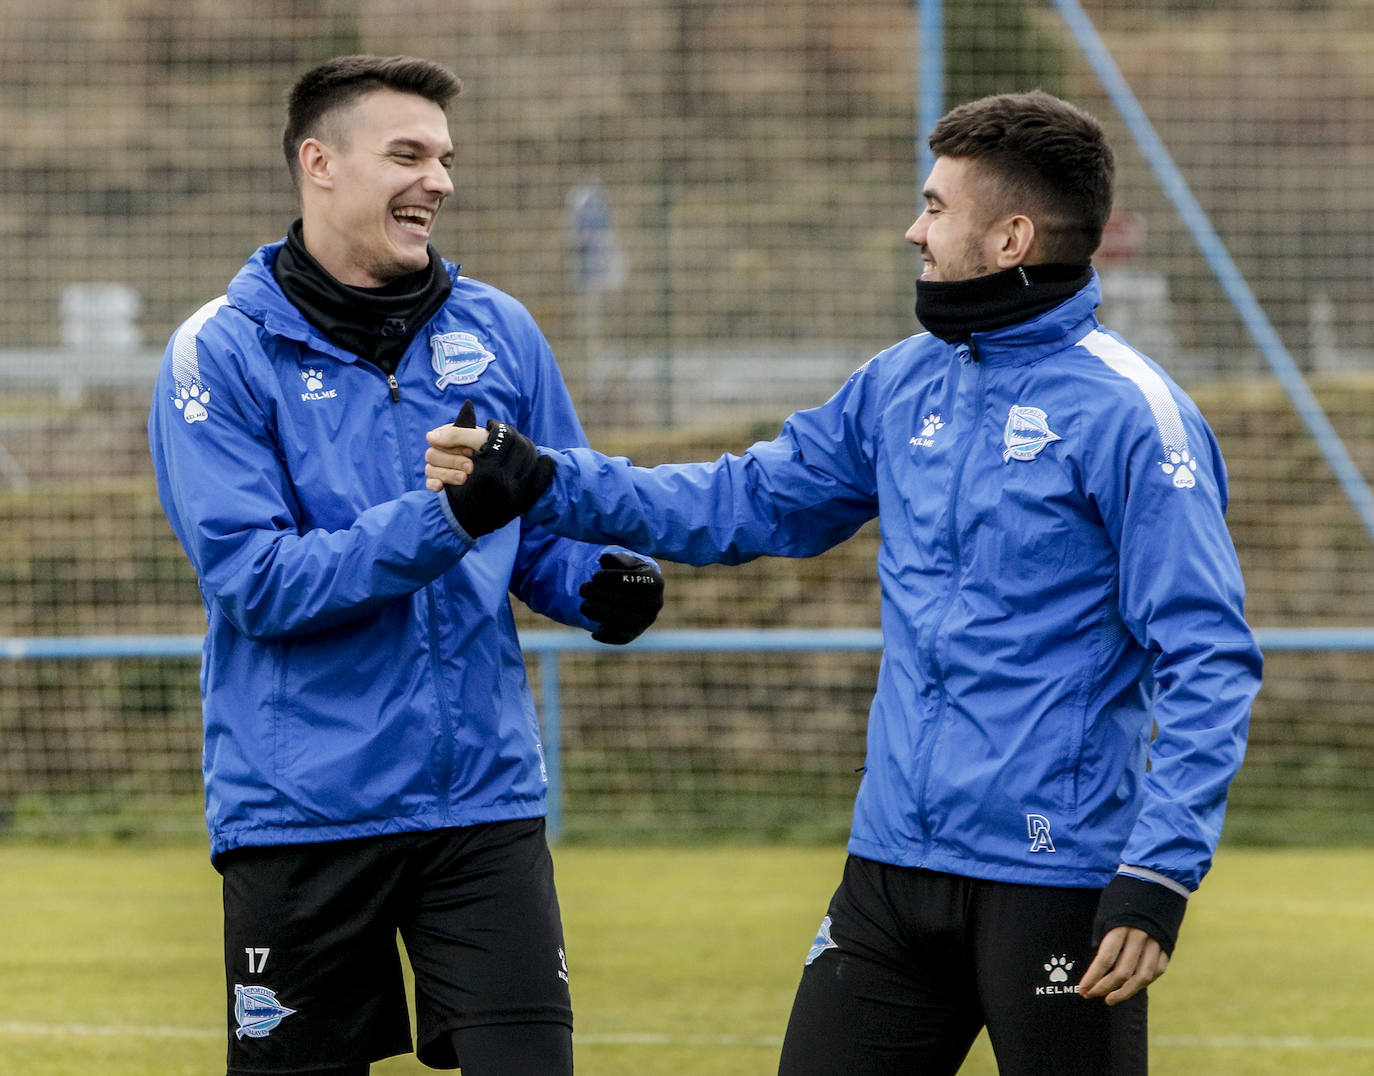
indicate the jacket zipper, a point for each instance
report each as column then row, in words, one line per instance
column 937, row 632
column 444, row 749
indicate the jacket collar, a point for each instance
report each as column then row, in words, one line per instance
column 1051, row 332
column 256, row 293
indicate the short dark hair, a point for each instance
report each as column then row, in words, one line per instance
column 336, row 83
column 1045, row 158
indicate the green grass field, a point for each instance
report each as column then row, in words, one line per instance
column 683, row 961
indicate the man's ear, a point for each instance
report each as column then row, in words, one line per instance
column 1017, row 236
column 317, row 163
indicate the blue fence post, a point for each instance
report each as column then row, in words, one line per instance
column 930, row 81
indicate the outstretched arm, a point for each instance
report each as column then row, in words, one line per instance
column 805, row 491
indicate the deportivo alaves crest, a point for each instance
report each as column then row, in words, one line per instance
column 257, row 1011
column 458, row 358
column 1027, row 433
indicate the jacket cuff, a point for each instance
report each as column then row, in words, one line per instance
column 546, row 508
column 1155, row 907
column 450, row 517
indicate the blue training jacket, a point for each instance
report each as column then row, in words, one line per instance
column 1057, row 578
column 361, row 672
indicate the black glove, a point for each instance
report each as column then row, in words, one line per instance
column 508, row 476
column 623, row 598
column 1134, row 902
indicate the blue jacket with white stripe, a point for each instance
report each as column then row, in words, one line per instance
column 1057, row 579
column 361, row 671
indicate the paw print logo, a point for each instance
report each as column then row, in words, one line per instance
column 191, row 400
column 931, row 423
column 1181, row 466
column 1059, row 968
column 313, row 380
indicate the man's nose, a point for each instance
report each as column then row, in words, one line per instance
column 438, row 180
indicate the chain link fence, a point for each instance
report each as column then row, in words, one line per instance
column 703, row 204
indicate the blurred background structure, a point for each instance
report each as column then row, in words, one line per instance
column 702, row 203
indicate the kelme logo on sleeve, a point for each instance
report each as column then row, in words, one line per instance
column 192, row 400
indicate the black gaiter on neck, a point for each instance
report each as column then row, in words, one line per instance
column 954, row 310
column 374, row 323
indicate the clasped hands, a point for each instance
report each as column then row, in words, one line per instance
column 493, row 474
column 490, row 475
column 448, row 460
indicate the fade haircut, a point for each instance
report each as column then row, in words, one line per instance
column 1040, row 157
column 322, row 92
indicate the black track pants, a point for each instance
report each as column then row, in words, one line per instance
column 910, row 965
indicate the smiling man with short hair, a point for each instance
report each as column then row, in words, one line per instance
column 1058, row 583
column 373, row 764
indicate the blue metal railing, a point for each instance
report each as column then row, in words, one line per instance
column 547, row 648
column 554, row 642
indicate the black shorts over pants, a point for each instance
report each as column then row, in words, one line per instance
column 911, row 964
column 314, row 978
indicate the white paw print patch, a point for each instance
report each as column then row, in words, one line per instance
column 1059, row 968
column 191, row 400
column 313, row 380
column 931, row 423
column 1180, row 467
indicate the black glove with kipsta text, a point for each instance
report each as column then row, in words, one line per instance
column 508, row 476
column 623, row 598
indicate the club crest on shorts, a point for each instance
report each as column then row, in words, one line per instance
column 823, row 941
column 1027, row 433
column 458, row 358
column 257, row 1011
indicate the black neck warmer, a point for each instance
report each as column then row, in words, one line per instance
column 374, row 323
column 954, row 310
